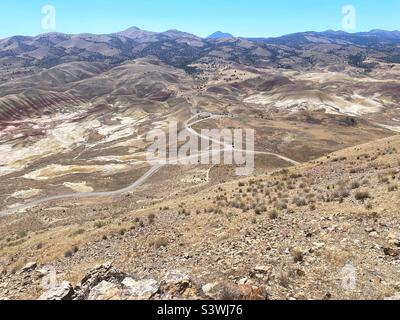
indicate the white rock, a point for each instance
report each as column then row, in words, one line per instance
column 29, row 267
column 208, row 287
column 176, row 277
column 63, row 291
column 210, row 290
column 262, row 269
column 140, row 290
column 396, row 297
column 105, row 291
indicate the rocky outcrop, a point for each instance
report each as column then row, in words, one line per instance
column 106, row 283
column 96, row 284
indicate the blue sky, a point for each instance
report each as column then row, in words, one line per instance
column 261, row 18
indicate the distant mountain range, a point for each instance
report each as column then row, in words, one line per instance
column 220, row 35
column 136, row 67
column 21, row 55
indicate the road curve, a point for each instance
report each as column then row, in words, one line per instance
column 189, row 124
column 153, row 170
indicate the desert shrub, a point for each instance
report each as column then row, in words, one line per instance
column 300, row 201
column 281, row 204
column 99, row 224
column 21, row 234
column 69, row 253
column 362, row 195
column 383, row 179
column 151, row 217
column 273, row 214
column 297, row 255
column 355, row 185
column 260, row 209
column 344, row 193
column 78, row 232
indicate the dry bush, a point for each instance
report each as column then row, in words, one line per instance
column 300, row 201
column 151, row 217
column 281, row 204
column 355, row 185
column 77, row 233
column 362, row 195
column 261, row 208
column 99, row 224
column 71, row 252
column 297, row 255
column 383, row 179
column 273, row 215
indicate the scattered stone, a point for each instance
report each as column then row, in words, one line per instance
column 211, row 291
column 44, row 271
column 396, row 297
column 262, row 269
column 243, row 292
column 391, row 252
column 254, row 293
column 63, row 291
column 178, row 284
column 394, row 239
column 29, row 267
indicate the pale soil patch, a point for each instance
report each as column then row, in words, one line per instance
column 389, row 127
column 81, row 187
column 60, row 139
column 26, row 194
column 119, row 159
column 55, row 170
column 125, row 129
column 313, row 100
column 63, row 138
column 323, row 77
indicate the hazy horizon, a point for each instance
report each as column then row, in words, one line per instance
column 223, row 31
column 242, row 18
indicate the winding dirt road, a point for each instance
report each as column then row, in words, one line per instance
column 153, row 170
